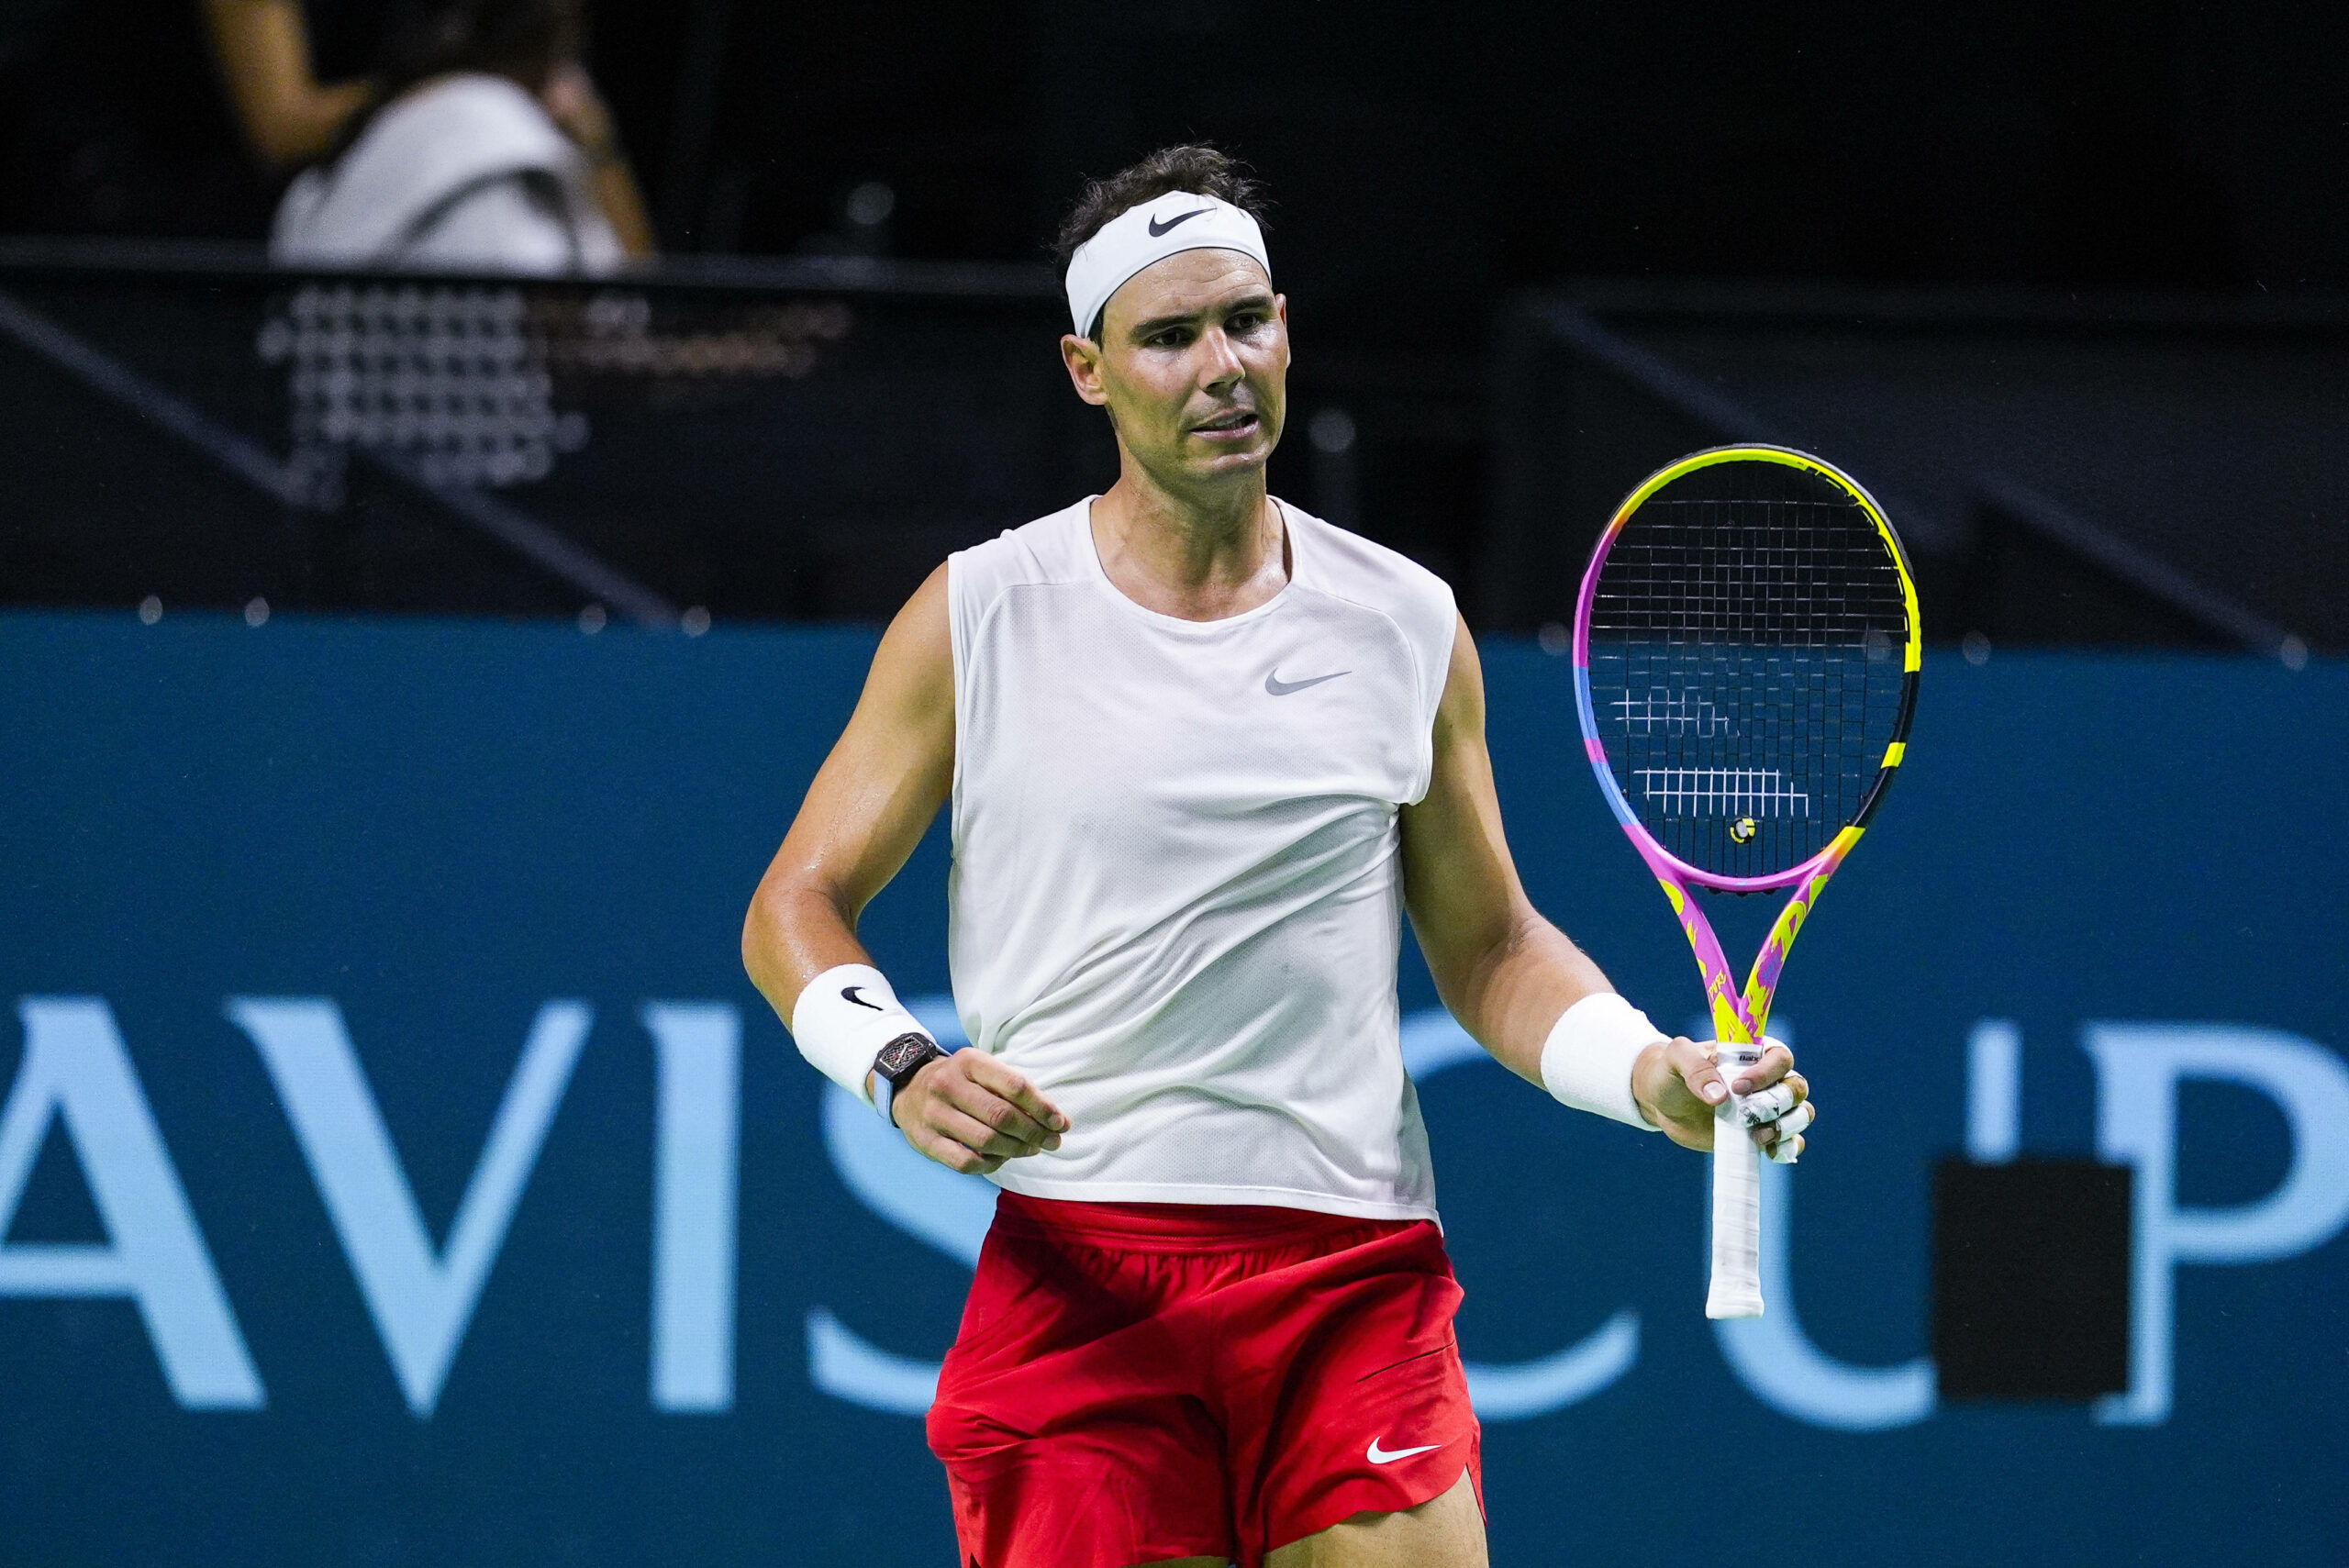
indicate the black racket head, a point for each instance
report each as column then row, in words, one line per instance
column 1747, row 647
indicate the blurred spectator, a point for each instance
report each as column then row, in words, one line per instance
column 476, row 140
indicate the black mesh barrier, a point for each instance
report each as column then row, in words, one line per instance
column 803, row 439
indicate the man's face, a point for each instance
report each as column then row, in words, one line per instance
column 1193, row 366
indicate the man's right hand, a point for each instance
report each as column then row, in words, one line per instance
column 971, row 1113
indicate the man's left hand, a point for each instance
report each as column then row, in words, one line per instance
column 1678, row 1084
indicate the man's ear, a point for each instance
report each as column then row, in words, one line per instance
column 1083, row 358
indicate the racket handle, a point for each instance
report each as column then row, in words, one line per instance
column 1737, row 1205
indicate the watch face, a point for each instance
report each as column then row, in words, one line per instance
column 902, row 1054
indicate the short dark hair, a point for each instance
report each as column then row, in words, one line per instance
column 523, row 40
column 1194, row 166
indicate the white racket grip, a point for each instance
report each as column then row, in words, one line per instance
column 1737, row 1205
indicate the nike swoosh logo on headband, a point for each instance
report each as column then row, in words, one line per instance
column 1157, row 229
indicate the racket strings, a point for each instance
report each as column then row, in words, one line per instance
column 1746, row 673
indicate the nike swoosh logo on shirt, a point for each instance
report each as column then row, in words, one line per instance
column 1157, row 229
column 1388, row 1456
column 1280, row 688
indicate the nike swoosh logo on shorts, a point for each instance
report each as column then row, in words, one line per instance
column 849, row 995
column 1157, row 229
column 1280, row 688
column 1389, row 1456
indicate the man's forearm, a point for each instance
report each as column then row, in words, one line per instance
column 1514, row 994
column 1523, row 999
column 791, row 934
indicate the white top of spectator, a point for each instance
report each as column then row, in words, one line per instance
column 466, row 172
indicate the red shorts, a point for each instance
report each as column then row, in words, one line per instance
column 1134, row 1381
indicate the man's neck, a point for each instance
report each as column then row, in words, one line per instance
column 1204, row 557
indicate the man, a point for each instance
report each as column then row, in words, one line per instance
column 1200, row 746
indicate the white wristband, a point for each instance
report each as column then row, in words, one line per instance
column 843, row 1018
column 1587, row 1062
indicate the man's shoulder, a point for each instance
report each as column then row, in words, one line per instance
column 1405, row 595
column 1037, row 553
column 1338, row 561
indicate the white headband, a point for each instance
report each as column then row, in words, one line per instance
column 1139, row 237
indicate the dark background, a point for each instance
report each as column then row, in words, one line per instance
column 1423, row 158
column 2067, row 283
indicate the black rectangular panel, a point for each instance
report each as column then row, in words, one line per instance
column 2031, row 1279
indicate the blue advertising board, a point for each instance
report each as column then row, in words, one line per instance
column 396, row 1165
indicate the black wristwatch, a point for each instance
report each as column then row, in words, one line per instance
column 895, row 1066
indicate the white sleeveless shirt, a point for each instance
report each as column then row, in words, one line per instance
column 1176, row 891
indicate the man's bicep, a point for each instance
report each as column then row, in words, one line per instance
column 893, row 765
column 1458, row 881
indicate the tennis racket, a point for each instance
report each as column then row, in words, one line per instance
column 1746, row 650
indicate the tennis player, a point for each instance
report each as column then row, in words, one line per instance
column 1202, row 750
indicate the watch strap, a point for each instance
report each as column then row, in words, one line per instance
column 894, row 1065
